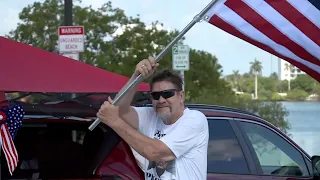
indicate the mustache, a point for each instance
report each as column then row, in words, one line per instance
column 170, row 108
column 161, row 106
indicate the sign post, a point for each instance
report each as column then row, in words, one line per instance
column 180, row 59
column 71, row 41
column 72, row 55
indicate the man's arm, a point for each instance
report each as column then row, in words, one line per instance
column 145, row 67
column 152, row 149
column 128, row 113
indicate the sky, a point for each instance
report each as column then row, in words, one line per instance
column 232, row 52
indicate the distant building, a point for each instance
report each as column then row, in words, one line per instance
column 284, row 71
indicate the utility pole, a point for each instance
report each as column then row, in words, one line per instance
column 68, row 20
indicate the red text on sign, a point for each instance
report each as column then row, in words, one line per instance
column 71, row 30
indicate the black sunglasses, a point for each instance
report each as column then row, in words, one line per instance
column 165, row 94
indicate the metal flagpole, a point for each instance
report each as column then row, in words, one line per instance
column 139, row 79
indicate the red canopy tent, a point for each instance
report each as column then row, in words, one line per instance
column 25, row 68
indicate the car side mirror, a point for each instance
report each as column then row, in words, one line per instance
column 316, row 167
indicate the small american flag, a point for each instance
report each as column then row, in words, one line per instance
column 10, row 121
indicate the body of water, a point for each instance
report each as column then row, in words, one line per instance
column 304, row 119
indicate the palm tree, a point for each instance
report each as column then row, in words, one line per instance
column 236, row 76
column 288, row 67
column 255, row 69
column 274, row 75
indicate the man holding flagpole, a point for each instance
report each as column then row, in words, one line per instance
column 172, row 138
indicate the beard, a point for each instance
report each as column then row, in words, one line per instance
column 165, row 116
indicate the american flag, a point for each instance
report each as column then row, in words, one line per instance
column 289, row 29
column 10, row 121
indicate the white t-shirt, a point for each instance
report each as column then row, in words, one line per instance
column 187, row 138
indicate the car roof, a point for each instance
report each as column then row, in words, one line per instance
column 221, row 111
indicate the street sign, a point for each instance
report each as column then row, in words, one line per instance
column 74, row 56
column 180, row 57
column 71, row 39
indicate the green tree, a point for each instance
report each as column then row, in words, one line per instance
column 304, row 82
column 274, row 76
column 38, row 27
column 256, row 69
column 246, row 75
column 282, row 86
column 268, row 83
column 236, row 80
column 40, row 22
column 297, row 94
column 248, row 85
column 316, row 89
column 273, row 112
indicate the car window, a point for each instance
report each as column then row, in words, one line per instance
column 276, row 155
column 224, row 152
column 309, row 165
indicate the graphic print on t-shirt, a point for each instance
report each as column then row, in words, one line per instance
column 161, row 170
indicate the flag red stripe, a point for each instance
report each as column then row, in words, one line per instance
column 216, row 21
column 6, row 153
column 8, row 145
column 11, row 147
column 6, row 149
column 11, row 150
column 257, row 21
column 14, row 151
column 297, row 19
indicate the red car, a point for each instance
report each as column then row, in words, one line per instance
column 55, row 143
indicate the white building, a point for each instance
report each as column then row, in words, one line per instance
column 284, row 71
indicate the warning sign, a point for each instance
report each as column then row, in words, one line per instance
column 71, row 39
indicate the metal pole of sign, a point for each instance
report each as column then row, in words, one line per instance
column 183, row 80
column 139, row 79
